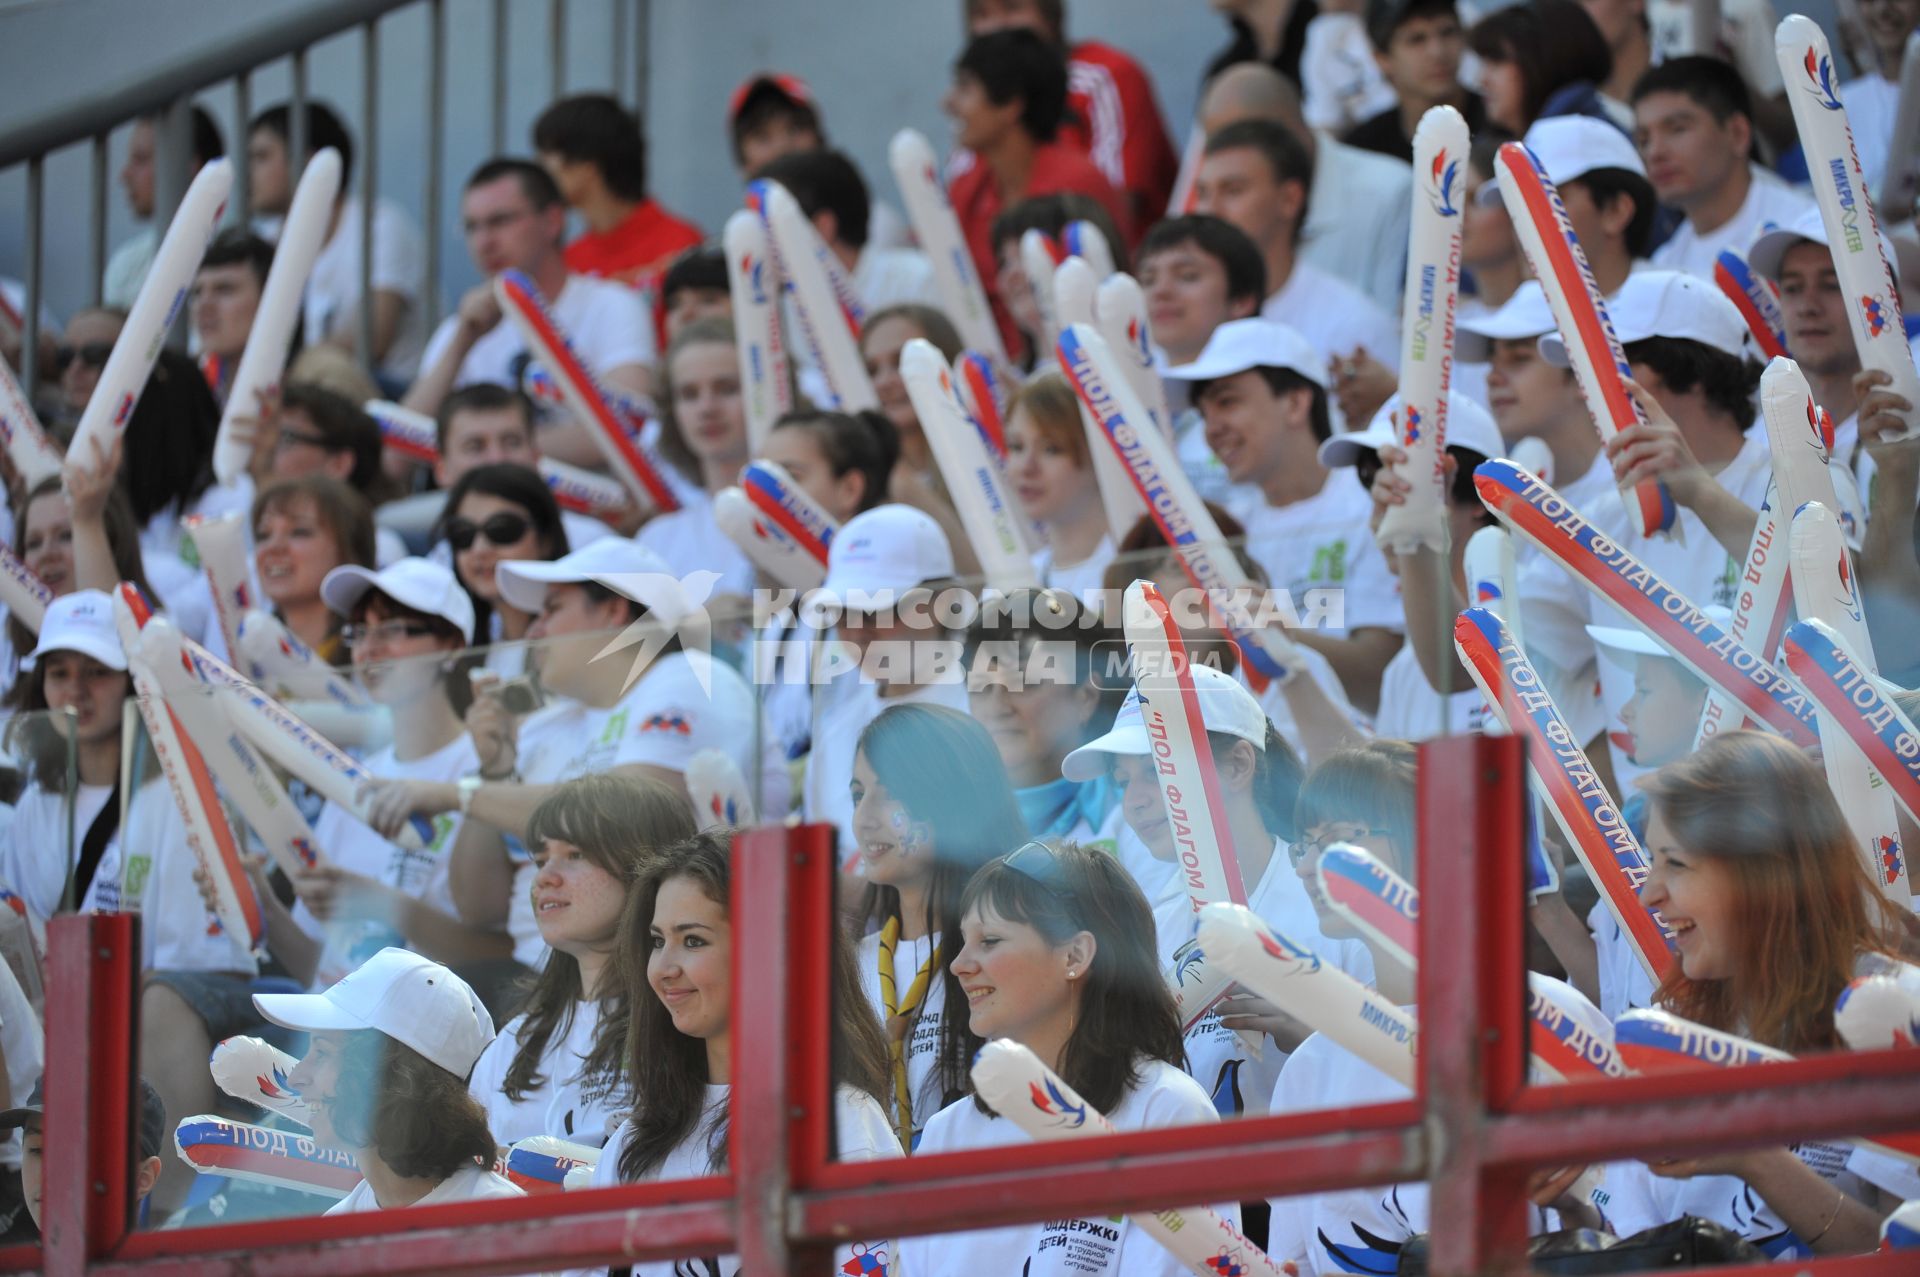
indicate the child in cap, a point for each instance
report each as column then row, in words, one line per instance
column 385, row 1080
column 30, row 1118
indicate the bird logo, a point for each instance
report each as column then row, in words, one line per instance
column 1049, row 1100
column 1820, row 72
column 1445, row 170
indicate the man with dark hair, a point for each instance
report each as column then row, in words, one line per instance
column 1257, row 175
column 1111, row 112
column 126, row 270
column 324, row 433
column 1008, row 96
column 1418, row 44
column 597, row 154
column 330, row 307
column 695, row 287
column 1693, row 123
column 833, row 195
column 513, row 218
column 226, row 293
column 1609, row 200
column 1270, row 32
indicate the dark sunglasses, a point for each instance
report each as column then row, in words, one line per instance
column 93, row 354
column 500, row 529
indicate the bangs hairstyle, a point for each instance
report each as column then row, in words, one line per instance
column 1281, row 381
column 701, row 267
column 1054, row 410
column 765, row 103
column 1807, row 908
column 1018, row 63
column 666, row 1068
column 616, row 822
column 714, row 330
column 932, row 323
column 419, row 1118
column 1605, row 185
column 1372, row 785
column 348, row 518
column 1010, row 627
column 594, row 128
column 1219, row 239
column 864, row 441
column 458, row 666
column 1126, row 1015
column 1727, row 381
column 526, row 489
column 1553, row 43
column 944, row 770
column 123, row 541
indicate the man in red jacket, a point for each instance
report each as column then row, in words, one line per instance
column 1111, row 111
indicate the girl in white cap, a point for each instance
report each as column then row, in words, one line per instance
column 1057, row 957
column 589, row 841
column 385, row 1080
column 675, row 957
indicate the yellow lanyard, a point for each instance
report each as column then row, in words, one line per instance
column 899, row 1018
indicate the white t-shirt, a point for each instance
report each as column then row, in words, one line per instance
column 332, row 300
column 1084, row 579
column 565, row 1103
column 1279, row 712
column 345, row 841
column 468, row 1184
column 1323, row 542
column 842, row 710
column 607, row 323
column 127, row 268
column 1164, row 1096
column 889, row 276
column 689, row 540
column 861, row 1135
column 923, row 1045
column 1624, row 983
column 1410, row 709
column 148, row 869
column 1343, row 84
column 1768, row 200
column 1239, row 1081
column 1872, row 103
column 662, row 722
column 1358, row 215
column 1334, row 316
column 40, row 849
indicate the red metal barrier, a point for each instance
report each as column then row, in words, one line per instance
column 782, row 1205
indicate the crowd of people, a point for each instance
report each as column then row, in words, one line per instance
column 527, row 853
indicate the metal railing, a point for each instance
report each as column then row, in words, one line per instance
column 166, row 94
column 1473, row 1131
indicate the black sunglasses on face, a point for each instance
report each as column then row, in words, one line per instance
column 499, row 529
column 93, row 354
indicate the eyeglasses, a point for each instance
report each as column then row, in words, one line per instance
column 289, row 437
column 93, row 354
column 385, row 632
column 1041, row 863
column 499, row 529
column 1299, row 851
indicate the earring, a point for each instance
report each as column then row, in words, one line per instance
column 1073, row 975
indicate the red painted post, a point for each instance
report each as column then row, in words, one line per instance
column 91, row 1030
column 1472, row 987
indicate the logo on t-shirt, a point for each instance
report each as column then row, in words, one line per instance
column 676, row 723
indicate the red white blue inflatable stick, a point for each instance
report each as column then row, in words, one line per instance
column 221, row 544
column 522, row 303
column 1082, row 239
column 1760, row 610
column 1040, row 254
column 1120, row 313
column 766, row 383
column 1753, row 295
column 721, row 799
column 1017, row 1085
column 540, row 1163
column 25, row 595
column 273, row 656
column 827, row 318
column 962, row 295
column 1876, row 1012
column 1073, row 296
column 984, row 397
column 632, row 414
column 254, row 1070
column 1820, row 660
column 33, row 454
column 1375, row 899
column 1183, row 520
column 1866, row 277
column 1565, row 780
column 1546, row 234
column 263, row 1155
column 1426, row 332
column 776, row 497
column 1540, row 515
column 414, row 434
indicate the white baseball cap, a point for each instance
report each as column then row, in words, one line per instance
column 621, row 565
column 1570, row 146
column 1620, row 644
column 420, row 584
column 1523, row 316
column 1469, row 426
column 888, row 548
column 1665, row 303
column 81, row 622
column 1225, row 706
column 1240, row 344
column 416, row 1002
column 1769, row 251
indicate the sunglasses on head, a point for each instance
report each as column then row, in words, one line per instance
column 499, row 529
column 1041, row 863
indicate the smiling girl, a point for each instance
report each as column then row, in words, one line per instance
column 1052, row 476
column 1058, row 957
column 499, row 514
column 675, row 957
column 302, row 530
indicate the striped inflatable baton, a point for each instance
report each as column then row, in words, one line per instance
column 1082, row 239
column 1824, row 590
column 416, row 435
column 412, row 434
column 931, row 215
column 1017, row 1085
column 1040, row 254
column 254, row 1070
column 1546, row 234
column 221, row 544
column 25, row 595
column 1540, row 515
column 1120, row 313
column 33, row 454
column 829, row 318
column 209, row 837
column 539, row 1163
column 1760, row 611
column 264, row 1155
column 1840, row 188
column 1073, row 289
column 1183, row 520
column 1073, row 293
column 1755, row 297
column 770, row 546
column 984, row 396
column 521, row 301
column 1880, row 1011
column 632, row 413
column 754, row 284
column 719, row 792
column 1565, row 781
column 776, row 497
column 1822, row 662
